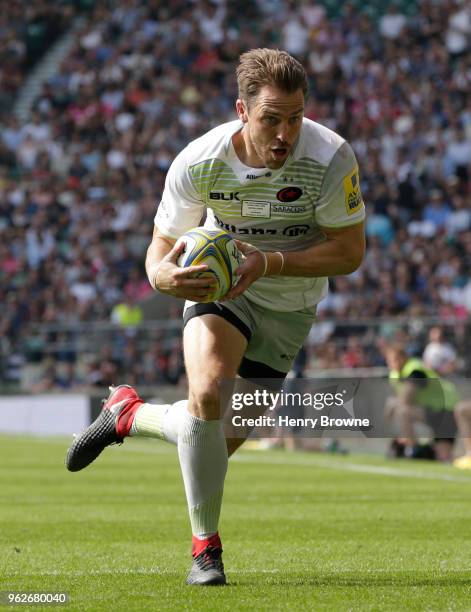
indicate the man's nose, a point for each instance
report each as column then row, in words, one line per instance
column 283, row 132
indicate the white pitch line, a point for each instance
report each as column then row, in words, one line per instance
column 361, row 468
column 329, row 464
column 356, row 467
column 126, row 571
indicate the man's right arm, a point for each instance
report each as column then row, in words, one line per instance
column 167, row 277
column 159, row 247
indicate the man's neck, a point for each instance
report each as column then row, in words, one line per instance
column 244, row 150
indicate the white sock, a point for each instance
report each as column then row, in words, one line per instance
column 203, row 460
column 159, row 421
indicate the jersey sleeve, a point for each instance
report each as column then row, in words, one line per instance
column 181, row 208
column 340, row 202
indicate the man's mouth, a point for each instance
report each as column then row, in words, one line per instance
column 280, row 152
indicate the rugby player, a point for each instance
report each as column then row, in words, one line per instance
column 288, row 189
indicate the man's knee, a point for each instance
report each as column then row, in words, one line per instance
column 204, row 401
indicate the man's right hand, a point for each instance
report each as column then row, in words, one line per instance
column 167, row 277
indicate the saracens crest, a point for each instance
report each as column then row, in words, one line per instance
column 289, row 194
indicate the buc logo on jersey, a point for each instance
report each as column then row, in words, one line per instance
column 351, row 188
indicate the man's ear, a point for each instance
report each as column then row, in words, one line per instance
column 241, row 110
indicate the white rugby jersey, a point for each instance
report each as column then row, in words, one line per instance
column 275, row 210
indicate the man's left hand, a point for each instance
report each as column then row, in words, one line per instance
column 253, row 268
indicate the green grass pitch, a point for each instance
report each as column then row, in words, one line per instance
column 300, row 531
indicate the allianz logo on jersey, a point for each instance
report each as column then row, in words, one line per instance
column 290, row 230
column 296, row 230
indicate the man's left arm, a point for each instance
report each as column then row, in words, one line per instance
column 341, row 252
column 340, row 214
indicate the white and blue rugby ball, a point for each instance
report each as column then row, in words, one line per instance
column 217, row 250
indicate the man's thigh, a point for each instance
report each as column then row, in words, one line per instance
column 213, row 350
column 274, row 338
column 239, row 337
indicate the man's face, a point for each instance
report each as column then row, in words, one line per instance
column 272, row 121
column 395, row 360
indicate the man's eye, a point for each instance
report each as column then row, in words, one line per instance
column 270, row 120
column 294, row 120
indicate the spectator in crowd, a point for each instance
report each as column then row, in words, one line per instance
column 127, row 313
column 392, row 24
column 422, row 396
column 439, row 355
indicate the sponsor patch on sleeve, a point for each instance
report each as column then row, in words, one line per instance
column 351, row 189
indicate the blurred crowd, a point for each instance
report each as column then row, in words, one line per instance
column 80, row 180
column 26, row 32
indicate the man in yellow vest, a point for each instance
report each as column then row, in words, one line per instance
column 422, row 396
column 127, row 314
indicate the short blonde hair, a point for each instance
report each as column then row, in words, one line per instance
column 259, row 67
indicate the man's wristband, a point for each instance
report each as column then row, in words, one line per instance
column 275, row 263
column 265, row 263
column 282, row 261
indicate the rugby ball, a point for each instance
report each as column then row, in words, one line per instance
column 217, row 250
